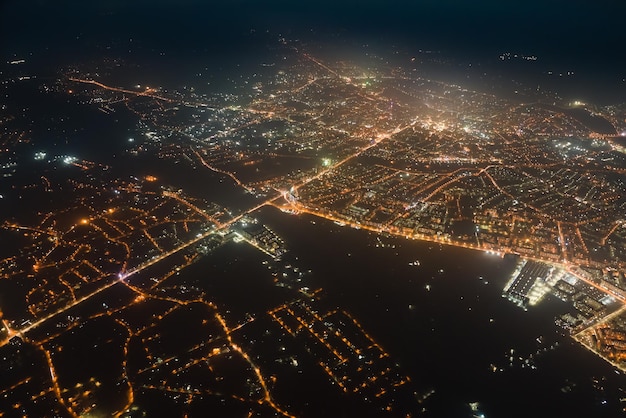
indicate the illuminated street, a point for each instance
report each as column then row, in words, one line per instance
column 308, row 210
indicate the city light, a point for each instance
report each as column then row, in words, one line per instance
column 99, row 253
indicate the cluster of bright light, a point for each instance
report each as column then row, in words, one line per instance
column 68, row 159
column 40, row 155
column 440, row 126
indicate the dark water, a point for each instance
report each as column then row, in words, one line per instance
column 448, row 338
column 593, row 122
column 444, row 321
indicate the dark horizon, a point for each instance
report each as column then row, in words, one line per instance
column 317, row 208
column 583, row 37
column 565, row 28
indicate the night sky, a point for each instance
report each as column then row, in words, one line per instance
column 565, row 28
column 196, row 53
column 584, row 37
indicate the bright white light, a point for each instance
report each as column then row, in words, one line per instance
column 69, row 159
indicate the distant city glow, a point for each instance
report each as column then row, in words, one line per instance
column 382, row 179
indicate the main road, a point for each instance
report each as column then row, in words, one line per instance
column 122, row 276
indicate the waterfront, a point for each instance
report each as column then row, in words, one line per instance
column 286, row 226
column 449, row 338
